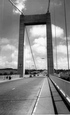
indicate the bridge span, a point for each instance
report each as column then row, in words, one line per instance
column 40, row 95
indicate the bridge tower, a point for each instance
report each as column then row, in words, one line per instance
column 35, row 20
column 50, row 65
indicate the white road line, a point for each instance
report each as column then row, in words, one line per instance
column 38, row 98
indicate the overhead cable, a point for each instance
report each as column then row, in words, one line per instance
column 66, row 33
column 31, row 49
column 15, row 6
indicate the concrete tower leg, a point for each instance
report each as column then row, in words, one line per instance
column 21, row 47
column 49, row 47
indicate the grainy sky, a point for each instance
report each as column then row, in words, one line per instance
column 9, row 33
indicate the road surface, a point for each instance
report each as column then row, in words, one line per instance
column 17, row 97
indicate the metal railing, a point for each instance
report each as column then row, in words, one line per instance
column 62, row 85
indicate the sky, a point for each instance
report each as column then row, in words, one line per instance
column 9, row 33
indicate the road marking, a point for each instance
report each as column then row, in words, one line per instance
column 13, row 88
column 38, row 98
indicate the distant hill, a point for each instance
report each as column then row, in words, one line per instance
column 5, row 71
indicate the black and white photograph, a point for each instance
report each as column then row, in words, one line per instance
column 34, row 57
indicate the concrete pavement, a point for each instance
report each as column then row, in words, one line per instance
column 44, row 105
column 42, row 101
column 17, row 97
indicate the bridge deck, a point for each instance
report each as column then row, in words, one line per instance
column 50, row 102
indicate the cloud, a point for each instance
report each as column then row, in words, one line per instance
column 59, row 31
column 14, row 55
column 40, row 31
column 56, row 3
column 8, row 47
column 39, row 50
column 41, row 41
column 29, row 64
column 61, row 56
column 28, row 60
column 41, row 63
column 4, row 41
column 7, row 62
column 39, row 47
column 20, row 4
column 61, row 49
column 27, row 53
column 62, row 63
column 8, row 58
column 2, row 61
column 8, row 54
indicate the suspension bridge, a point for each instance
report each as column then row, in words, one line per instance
column 46, row 93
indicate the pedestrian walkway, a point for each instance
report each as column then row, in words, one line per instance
column 13, row 77
column 59, row 104
column 44, row 105
column 50, row 101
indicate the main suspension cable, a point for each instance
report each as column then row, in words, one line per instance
column 66, row 33
column 31, row 49
column 15, row 6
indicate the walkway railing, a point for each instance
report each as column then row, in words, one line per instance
column 62, row 85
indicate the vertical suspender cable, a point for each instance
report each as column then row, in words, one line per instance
column 2, row 17
column 66, row 33
column 31, row 49
column 55, row 38
column 2, row 20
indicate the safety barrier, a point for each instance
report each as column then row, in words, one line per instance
column 62, row 85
